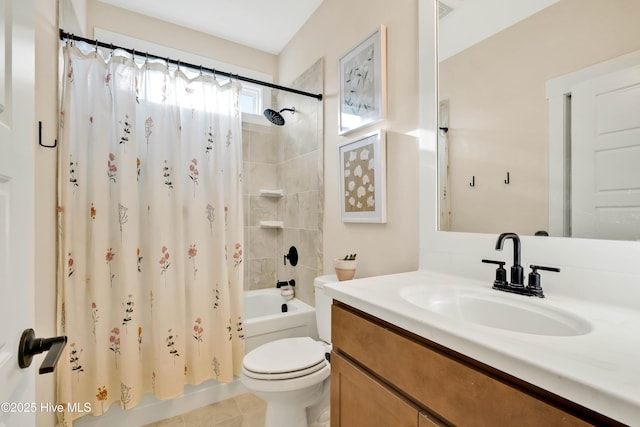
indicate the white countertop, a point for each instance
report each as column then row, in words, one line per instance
column 599, row 370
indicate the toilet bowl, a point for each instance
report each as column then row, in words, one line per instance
column 292, row 374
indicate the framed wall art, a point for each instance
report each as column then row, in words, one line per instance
column 363, row 180
column 363, row 83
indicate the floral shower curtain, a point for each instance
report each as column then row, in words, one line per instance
column 150, row 231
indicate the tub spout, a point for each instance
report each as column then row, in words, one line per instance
column 287, row 292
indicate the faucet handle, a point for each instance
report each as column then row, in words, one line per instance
column 534, row 283
column 534, row 268
column 501, row 273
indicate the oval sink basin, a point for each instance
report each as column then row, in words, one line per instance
column 496, row 311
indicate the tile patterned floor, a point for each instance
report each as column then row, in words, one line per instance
column 245, row 410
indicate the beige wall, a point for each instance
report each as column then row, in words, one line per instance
column 336, row 27
column 101, row 15
column 73, row 16
column 498, row 111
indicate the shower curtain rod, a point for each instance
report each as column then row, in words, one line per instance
column 68, row 36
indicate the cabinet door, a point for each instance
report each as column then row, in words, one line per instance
column 357, row 399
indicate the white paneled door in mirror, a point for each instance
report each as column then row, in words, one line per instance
column 605, row 147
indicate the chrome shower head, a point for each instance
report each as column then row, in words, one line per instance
column 275, row 117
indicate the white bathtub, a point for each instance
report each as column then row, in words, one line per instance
column 264, row 320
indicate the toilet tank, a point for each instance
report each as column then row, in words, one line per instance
column 323, row 306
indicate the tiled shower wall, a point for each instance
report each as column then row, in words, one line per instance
column 262, row 152
column 290, row 158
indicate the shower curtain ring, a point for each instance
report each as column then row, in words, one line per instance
column 133, row 55
column 96, row 45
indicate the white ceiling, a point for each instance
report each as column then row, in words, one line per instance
column 267, row 25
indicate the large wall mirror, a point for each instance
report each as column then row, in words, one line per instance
column 539, row 116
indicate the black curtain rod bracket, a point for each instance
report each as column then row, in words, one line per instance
column 67, row 36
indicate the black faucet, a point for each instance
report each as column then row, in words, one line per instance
column 517, row 272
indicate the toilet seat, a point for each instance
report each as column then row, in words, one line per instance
column 285, row 359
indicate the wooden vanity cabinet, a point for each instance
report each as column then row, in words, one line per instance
column 364, row 401
column 382, row 375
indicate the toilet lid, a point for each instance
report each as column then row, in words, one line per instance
column 287, row 357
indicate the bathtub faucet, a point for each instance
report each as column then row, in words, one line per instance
column 286, row 289
column 280, row 284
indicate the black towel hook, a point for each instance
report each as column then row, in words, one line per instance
column 508, row 180
column 473, row 181
column 55, row 141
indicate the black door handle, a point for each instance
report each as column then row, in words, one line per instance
column 30, row 346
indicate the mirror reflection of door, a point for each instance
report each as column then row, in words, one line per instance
column 594, row 137
column 605, row 171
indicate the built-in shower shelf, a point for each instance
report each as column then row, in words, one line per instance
column 271, row 224
column 272, row 193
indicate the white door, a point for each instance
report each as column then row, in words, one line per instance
column 17, row 139
column 605, row 162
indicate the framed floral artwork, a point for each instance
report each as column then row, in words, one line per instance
column 363, row 181
column 363, row 83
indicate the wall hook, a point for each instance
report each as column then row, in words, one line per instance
column 508, row 180
column 473, row 181
column 55, row 141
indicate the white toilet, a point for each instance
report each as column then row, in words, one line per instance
column 292, row 374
